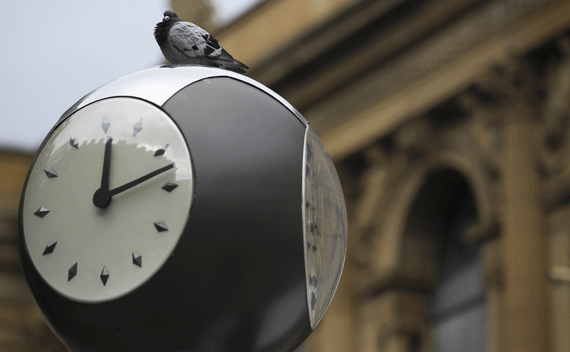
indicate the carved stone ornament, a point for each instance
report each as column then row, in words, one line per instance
column 554, row 139
column 415, row 138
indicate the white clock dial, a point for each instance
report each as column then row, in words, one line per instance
column 107, row 199
column 325, row 230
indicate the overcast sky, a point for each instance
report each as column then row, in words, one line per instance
column 55, row 52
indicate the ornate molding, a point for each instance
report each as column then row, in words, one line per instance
column 554, row 138
column 512, row 86
column 415, row 138
column 486, row 122
column 465, row 33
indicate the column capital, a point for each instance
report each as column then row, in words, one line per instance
column 554, row 140
column 512, row 86
column 415, row 138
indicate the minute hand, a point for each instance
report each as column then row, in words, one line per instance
column 139, row 180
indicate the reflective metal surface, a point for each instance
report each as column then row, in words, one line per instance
column 236, row 280
column 158, row 84
column 325, row 226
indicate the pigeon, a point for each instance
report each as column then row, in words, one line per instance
column 185, row 43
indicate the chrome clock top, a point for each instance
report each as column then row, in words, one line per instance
column 163, row 82
column 111, row 185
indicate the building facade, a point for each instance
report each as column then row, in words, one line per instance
column 448, row 122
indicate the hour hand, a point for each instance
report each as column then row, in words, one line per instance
column 106, row 164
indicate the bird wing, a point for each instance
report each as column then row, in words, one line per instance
column 194, row 41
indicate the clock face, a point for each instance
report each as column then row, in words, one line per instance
column 107, row 200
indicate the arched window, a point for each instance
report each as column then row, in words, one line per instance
column 457, row 305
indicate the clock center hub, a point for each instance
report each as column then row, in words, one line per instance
column 101, row 198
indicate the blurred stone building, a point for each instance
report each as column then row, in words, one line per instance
column 448, row 121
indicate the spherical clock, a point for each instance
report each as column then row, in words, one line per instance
column 182, row 209
column 107, row 199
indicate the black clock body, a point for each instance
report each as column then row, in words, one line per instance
column 236, row 279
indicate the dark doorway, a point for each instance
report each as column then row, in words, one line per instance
column 443, row 209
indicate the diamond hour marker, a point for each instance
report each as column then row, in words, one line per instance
column 41, row 212
column 313, row 280
column 160, row 226
column 161, row 151
column 104, row 275
column 311, row 246
column 137, row 259
column 49, row 248
column 50, row 172
column 73, row 141
column 169, row 186
column 72, row 272
column 137, row 127
column 313, row 300
column 105, row 124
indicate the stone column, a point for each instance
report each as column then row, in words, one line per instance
column 493, row 280
column 525, row 291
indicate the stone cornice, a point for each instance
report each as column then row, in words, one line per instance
column 344, row 132
column 262, row 32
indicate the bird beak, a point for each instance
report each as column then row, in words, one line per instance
column 165, row 19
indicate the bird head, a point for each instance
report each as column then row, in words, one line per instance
column 170, row 16
column 162, row 27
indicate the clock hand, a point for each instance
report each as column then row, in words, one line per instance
column 102, row 197
column 140, row 180
column 106, row 164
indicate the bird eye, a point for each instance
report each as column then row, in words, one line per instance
column 166, row 18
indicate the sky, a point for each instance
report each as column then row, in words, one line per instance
column 55, row 52
column 227, row 10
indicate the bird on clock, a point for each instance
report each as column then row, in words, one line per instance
column 186, row 43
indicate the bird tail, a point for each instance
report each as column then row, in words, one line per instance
column 227, row 62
